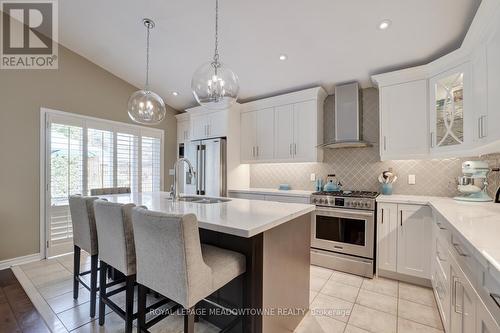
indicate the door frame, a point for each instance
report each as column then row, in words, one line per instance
column 43, row 168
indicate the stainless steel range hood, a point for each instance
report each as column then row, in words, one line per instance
column 346, row 130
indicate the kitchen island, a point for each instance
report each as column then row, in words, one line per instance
column 275, row 238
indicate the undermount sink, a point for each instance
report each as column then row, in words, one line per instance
column 203, row 200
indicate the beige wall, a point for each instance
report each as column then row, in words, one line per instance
column 78, row 86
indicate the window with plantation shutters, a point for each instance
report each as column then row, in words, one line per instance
column 99, row 158
column 150, row 164
column 83, row 153
column 127, row 161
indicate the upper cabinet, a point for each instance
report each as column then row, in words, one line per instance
column 285, row 128
column 403, row 121
column 257, row 135
column 183, row 128
column 451, row 117
column 209, row 124
column 491, row 127
column 447, row 108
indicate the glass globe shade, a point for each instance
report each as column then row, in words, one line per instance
column 215, row 87
column 146, row 107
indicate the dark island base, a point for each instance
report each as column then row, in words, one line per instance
column 276, row 279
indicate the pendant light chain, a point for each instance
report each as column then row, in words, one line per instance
column 148, row 26
column 216, row 54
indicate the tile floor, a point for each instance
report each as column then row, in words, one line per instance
column 348, row 303
column 340, row 302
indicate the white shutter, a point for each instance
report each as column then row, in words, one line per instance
column 150, row 163
column 66, row 178
column 127, row 161
column 99, row 159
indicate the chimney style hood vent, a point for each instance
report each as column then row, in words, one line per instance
column 347, row 129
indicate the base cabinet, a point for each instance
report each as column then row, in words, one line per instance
column 455, row 286
column 403, row 242
column 485, row 321
column 269, row 197
column 463, row 303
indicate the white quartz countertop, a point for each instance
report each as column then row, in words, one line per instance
column 239, row 217
column 477, row 222
column 273, row 191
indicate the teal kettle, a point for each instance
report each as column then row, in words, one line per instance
column 332, row 184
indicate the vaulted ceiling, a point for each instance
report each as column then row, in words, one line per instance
column 327, row 41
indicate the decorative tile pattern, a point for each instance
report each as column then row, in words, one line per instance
column 358, row 168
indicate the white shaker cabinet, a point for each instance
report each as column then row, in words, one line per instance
column 485, row 322
column 283, row 132
column 209, row 125
column 479, row 94
column 463, row 302
column 493, row 61
column 183, row 131
column 387, row 236
column 284, row 128
column 248, row 136
column 304, row 130
column 403, row 121
column 257, row 140
column 414, row 242
column 403, row 240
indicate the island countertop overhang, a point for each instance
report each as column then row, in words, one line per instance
column 238, row 217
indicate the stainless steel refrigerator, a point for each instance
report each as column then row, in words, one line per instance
column 209, row 160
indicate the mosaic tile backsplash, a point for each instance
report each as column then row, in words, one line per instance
column 358, row 168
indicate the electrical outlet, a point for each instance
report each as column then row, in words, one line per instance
column 313, row 177
column 411, row 180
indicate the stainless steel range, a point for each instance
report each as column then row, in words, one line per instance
column 343, row 231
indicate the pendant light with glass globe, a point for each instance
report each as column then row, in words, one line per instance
column 213, row 84
column 145, row 106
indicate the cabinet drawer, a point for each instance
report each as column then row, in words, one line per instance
column 291, row 199
column 473, row 268
column 249, row 196
column 442, row 293
column 442, row 230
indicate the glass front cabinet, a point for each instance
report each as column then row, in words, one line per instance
column 450, row 114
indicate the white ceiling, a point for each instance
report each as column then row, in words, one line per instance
column 327, row 41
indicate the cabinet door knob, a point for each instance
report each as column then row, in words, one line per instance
column 382, row 213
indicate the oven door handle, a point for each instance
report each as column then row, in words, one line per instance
column 329, row 211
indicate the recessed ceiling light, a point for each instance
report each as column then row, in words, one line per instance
column 384, row 24
column 283, row 57
column 175, row 93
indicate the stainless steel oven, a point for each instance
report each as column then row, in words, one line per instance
column 348, row 231
column 343, row 231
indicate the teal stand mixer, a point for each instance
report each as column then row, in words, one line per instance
column 473, row 184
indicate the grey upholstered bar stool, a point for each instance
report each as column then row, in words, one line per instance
column 84, row 238
column 116, row 249
column 109, row 190
column 172, row 261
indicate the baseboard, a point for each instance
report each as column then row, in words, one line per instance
column 405, row 278
column 20, row 260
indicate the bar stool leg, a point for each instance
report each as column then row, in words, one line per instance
column 102, row 292
column 141, row 308
column 93, row 284
column 129, row 303
column 189, row 320
column 76, row 270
